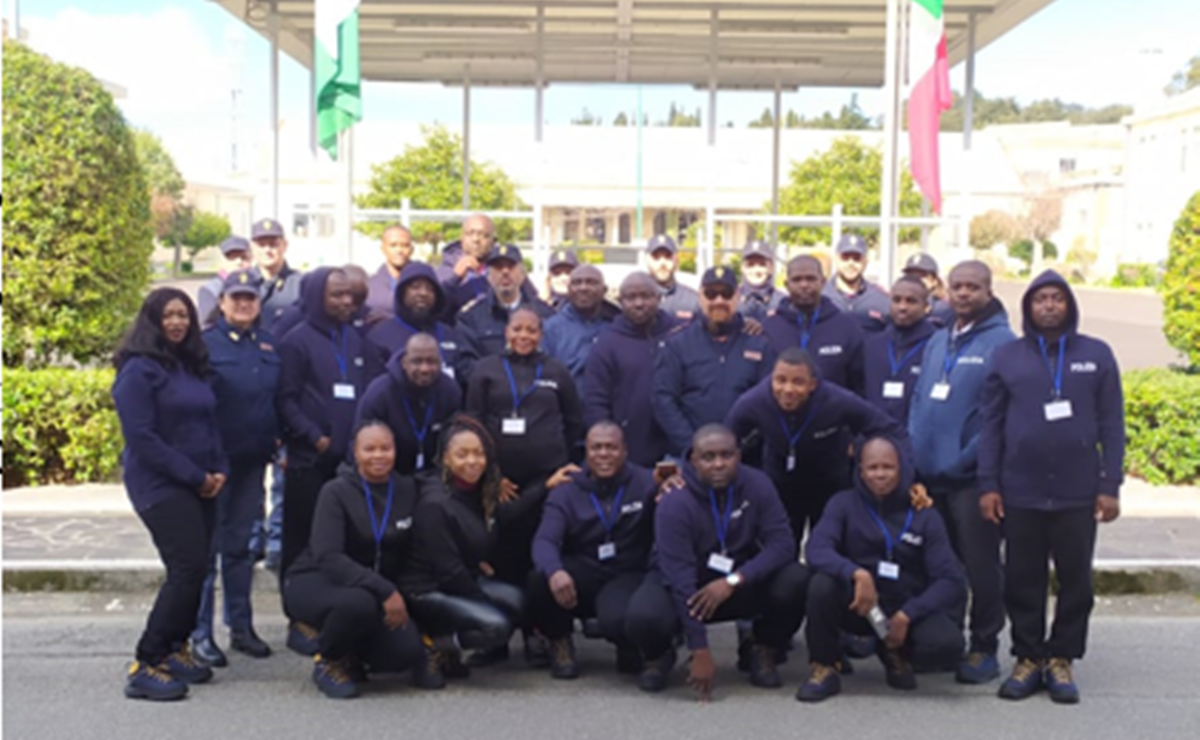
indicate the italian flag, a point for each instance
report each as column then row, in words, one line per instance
column 930, row 94
column 336, row 69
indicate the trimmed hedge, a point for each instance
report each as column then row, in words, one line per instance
column 1162, row 421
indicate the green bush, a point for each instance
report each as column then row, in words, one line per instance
column 60, row 426
column 1162, row 414
column 1180, row 285
column 77, row 229
column 1135, row 275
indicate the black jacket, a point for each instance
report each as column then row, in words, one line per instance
column 451, row 538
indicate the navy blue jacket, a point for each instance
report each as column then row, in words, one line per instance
column 835, row 341
column 572, row 527
column 1049, row 465
column 621, row 369
column 941, row 313
column 481, row 325
column 417, row 425
column 827, row 424
column 758, row 303
column 245, row 379
column 393, row 333
column 945, row 434
column 381, row 290
column 759, row 539
column 697, row 378
column 894, row 356
column 458, row 292
column 869, row 305
column 680, row 301
column 311, row 368
column 169, row 421
column 569, row 337
column 277, row 296
column 849, row 537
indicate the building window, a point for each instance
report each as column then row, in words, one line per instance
column 660, row 223
column 1066, row 164
column 595, row 230
column 624, row 229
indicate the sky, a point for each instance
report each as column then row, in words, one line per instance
column 173, row 59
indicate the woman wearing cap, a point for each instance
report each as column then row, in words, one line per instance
column 245, row 378
column 174, row 468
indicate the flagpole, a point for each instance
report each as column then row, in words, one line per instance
column 891, row 129
column 344, row 199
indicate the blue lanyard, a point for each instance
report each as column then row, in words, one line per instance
column 437, row 332
column 517, row 396
column 422, row 431
column 806, row 333
column 887, row 536
column 794, row 439
column 952, row 357
column 1055, row 371
column 379, row 527
column 616, row 512
column 343, row 359
column 907, row 355
column 722, row 524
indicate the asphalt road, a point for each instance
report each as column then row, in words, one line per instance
column 63, row 665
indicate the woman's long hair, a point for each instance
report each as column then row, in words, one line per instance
column 489, row 485
column 145, row 338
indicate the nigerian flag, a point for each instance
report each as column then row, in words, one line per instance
column 930, row 94
column 336, row 69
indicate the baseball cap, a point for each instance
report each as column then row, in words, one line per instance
column 234, row 244
column 851, row 244
column 758, row 248
column 504, row 252
column 563, row 257
column 266, row 227
column 921, row 262
column 241, row 282
column 719, row 276
column 661, row 241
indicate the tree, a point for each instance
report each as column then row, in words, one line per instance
column 205, row 230
column 989, row 111
column 587, row 118
column 849, row 173
column 621, row 119
column 162, row 176
column 992, row 228
column 77, row 238
column 1186, row 78
column 677, row 117
column 430, row 174
column 1181, row 298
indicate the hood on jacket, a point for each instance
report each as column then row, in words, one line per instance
column 910, row 334
column 586, row 482
column 663, row 322
column 898, row 499
column 312, row 298
column 417, row 271
column 698, row 487
column 825, row 310
column 1049, row 277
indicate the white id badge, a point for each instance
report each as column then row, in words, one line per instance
column 512, row 427
column 343, row 391
column 893, row 389
column 420, row 460
column 791, row 462
column 940, row 391
column 1060, row 409
column 890, row 571
column 720, row 563
column 608, row 551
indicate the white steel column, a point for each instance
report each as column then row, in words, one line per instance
column 891, row 134
column 273, row 33
column 466, row 160
column 775, row 163
column 344, row 201
column 706, row 253
column 968, row 209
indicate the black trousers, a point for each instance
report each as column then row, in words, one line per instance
column 350, row 620
column 934, row 642
column 804, row 498
column 604, row 597
column 301, row 487
column 976, row 541
column 477, row 625
column 182, row 530
column 1032, row 539
column 776, row 606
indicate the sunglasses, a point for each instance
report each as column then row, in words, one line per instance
column 714, row 293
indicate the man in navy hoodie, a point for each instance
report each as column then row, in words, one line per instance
column 876, row 548
column 850, row 290
column 707, row 365
column 621, row 369
column 944, row 422
column 570, row 334
column 414, row 398
column 419, row 301
column 892, row 357
column 723, row 551
column 812, row 322
column 1051, row 455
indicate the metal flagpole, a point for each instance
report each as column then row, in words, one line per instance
column 891, row 130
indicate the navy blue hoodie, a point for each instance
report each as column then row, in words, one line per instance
column 849, row 537
column 827, row 424
column 1050, row 465
column 869, row 305
column 571, row 525
column 246, row 372
column 621, row 372
column 945, row 434
column 697, row 379
column 569, row 337
column 759, row 539
column 393, row 333
column 416, row 425
column 894, row 356
column 835, row 342
column 311, row 369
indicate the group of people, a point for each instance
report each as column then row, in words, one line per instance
column 457, row 460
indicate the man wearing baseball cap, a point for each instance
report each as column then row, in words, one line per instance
column 235, row 255
column 562, row 263
column 758, row 295
column 924, row 267
column 481, row 323
column 662, row 261
column 850, row 291
column 280, row 283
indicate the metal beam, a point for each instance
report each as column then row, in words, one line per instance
column 891, row 135
column 969, row 100
column 466, row 157
column 539, row 113
column 273, row 31
column 775, row 146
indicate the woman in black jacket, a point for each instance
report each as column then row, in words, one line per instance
column 344, row 582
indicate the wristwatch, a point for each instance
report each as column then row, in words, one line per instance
column 734, row 579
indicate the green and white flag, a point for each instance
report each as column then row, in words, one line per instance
column 336, row 68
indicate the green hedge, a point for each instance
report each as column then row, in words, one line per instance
column 1162, row 417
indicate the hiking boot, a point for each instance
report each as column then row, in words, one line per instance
column 153, row 683
column 303, row 639
column 485, row 658
column 183, row 665
column 562, row 658
column 629, row 661
column 897, row 670
column 977, row 668
column 763, row 673
column 453, row 665
column 206, row 651
column 430, row 673
column 1025, row 681
column 333, row 678
column 537, row 650
column 656, row 672
column 249, row 643
column 822, row 683
column 1059, row 681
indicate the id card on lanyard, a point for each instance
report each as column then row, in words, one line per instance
column 893, row 388
column 720, row 561
column 343, row 390
column 941, row 389
column 888, row 569
column 794, row 439
column 421, row 432
column 1059, row 408
column 515, row 424
column 379, row 527
column 608, row 548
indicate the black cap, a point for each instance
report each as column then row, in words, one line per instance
column 504, row 252
column 562, row 258
column 241, row 282
column 662, row 241
column 758, row 248
column 266, row 227
column 719, row 276
column 851, row 244
column 921, row 262
column 234, row 244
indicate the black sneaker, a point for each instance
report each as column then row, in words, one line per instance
column 333, row 678
column 897, row 670
column 822, row 683
column 249, row 643
column 562, row 658
column 206, row 651
column 182, row 665
column 430, row 673
column 153, row 683
column 537, row 650
column 657, row 672
column 629, row 661
column 763, row 673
